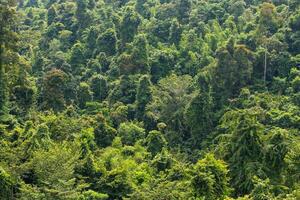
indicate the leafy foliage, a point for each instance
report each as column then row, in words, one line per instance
column 149, row 99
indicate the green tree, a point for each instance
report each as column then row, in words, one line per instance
column 7, row 185
column 163, row 160
column 262, row 189
column 81, row 13
column 155, row 142
column 91, row 40
column 169, row 101
column 84, row 94
column 104, row 134
column 268, row 19
column 119, row 114
column 99, row 87
column 24, row 91
column 107, row 42
column 136, row 59
column 200, row 116
column 276, row 151
column 162, row 62
column 128, row 27
column 77, row 58
column 295, row 35
column 51, row 15
column 39, row 139
column 237, row 8
column 234, row 70
column 8, row 39
column 125, row 91
column 143, row 96
column 244, row 149
column 3, row 92
column 53, row 90
column 140, row 53
column 32, row 3
column 293, row 170
column 130, row 133
column 142, row 7
column 175, row 32
column 54, row 169
column 184, row 8
column 210, row 178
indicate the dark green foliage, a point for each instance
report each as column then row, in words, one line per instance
column 24, row 92
column 295, row 35
column 7, row 185
column 184, row 8
column 107, row 42
column 92, row 195
column 199, row 112
column 81, row 13
column 8, row 39
column 104, row 134
column 54, row 169
column 267, row 19
column 53, row 90
column 84, row 94
column 77, row 58
column 170, row 99
column 51, row 15
column 3, row 92
column 277, row 148
column 142, row 7
column 119, row 114
column 136, row 60
column 234, row 70
column 162, row 63
column 125, row 91
column 91, row 40
column 32, row 3
column 199, row 116
column 245, row 149
column 128, row 27
column 99, row 87
column 143, row 96
column 155, row 142
column 175, row 32
column 162, row 161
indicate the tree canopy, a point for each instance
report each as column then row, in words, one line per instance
column 149, row 99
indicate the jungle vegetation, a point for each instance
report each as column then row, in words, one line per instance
column 150, row 99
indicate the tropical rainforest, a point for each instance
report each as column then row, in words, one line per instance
column 149, row 99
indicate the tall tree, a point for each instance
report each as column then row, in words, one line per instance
column 99, row 87
column 91, row 40
column 82, row 15
column 233, row 71
column 136, row 58
column 184, row 8
column 53, row 96
column 8, row 39
column 199, row 112
column 245, row 150
column 143, row 96
column 84, row 94
column 77, row 58
column 128, row 27
column 107, row 42
column 51, row 15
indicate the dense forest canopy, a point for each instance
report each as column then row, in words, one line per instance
column 149, row 99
